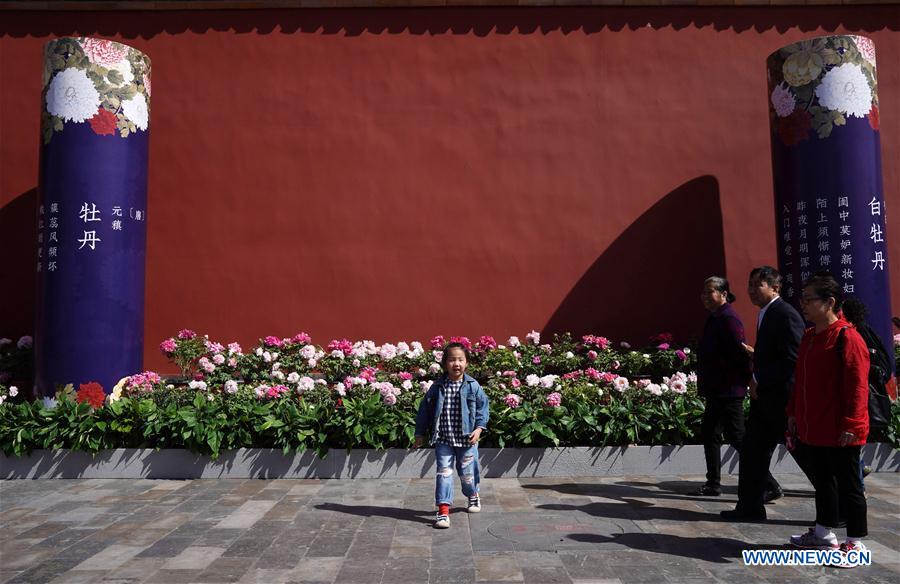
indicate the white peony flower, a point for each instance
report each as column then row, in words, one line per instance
column 783, row 101
column 293, row 377
column 570, row 355
column 387, row 351
column 533, row 337
column 548, row 381
column 532, row 380
column 305, row 384
column 337, row 354
column 678, row 386
column 654, row 389
column 513, row 342
column 72, row 96
column 135, row 109
column 407, row 384
column 846, row 90
column 434, row 368
column 13, row 391
column 620, row 383
column 425, row 385
column 201, row 385
column 231, row 386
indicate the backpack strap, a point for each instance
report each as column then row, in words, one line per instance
column 841, row 341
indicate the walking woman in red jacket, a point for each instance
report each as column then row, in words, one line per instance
column 828, row 416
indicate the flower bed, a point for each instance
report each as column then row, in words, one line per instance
column 291, row 394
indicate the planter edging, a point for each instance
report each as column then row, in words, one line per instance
column 393, row 463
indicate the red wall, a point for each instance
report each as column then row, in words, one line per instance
column 393, row 174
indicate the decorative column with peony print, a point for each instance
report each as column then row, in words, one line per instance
column 92, row 213
column 826, row 160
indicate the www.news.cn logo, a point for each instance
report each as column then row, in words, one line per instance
column 806, row 557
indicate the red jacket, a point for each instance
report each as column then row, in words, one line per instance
column 831, row 392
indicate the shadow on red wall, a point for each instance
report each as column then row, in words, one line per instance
column 462, row 20
column 658, row 265
column 18, row 237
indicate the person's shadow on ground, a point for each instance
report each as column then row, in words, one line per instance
column 711, row 549
column 411, row 515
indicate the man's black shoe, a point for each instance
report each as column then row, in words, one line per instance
column 739, row 514
column 706, row 491
column 772, row 496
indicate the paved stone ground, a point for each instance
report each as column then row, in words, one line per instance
column 580, row 530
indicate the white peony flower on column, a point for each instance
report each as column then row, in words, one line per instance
column 135, row 109
column 72, row 96
column 846, row 90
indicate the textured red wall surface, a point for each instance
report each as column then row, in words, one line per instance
column 394, row 174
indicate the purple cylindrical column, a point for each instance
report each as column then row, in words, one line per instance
column 92, row 213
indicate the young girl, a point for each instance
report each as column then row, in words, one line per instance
column 455, row 410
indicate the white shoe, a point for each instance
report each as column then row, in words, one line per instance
column 850, row 547
column 442, row 521
column 474, row 504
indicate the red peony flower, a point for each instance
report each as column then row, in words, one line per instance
column 103, row 122
column 91, row 393
column 795, row 128
column 873, row 117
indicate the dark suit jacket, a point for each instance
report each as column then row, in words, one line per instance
column 774, row 358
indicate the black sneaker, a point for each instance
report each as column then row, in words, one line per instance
column 706, row 491
column 772, row 496
column 474, row 504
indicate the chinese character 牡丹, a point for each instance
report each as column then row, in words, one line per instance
column 117, row 211
column 875, row 206
column 54, row 222
column 801, row 219
column 823, row 231
column 116, row 225
column 875, row 234
column 804, row 262
column 801, row 205
column 843, row 215
column 89, row 214
column 53, row 236
column 54, row 207
column 845, row 230
column 846, row 259
column 90, row 238
column 823, row 245
column 847, row 274
column 848, row 288
column 878, row 261
column 821, row 204
column 843, row 202
column 51, row 252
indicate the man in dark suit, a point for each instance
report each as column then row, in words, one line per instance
column 780, row 328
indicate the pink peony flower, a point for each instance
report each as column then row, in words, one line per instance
column 343, row 345
column 681, row 355
column 533, row 337
column 663, row 346
column 464, row 341
column 487, row 342
column 592, row 355
column 515, row 383
column 168, row 346
column 389, row 399
column 234, row 348
column 554, row 400
column 536, row 360
column 218, row 358
column 405, row 375
column 512, row 400
column 437, row 342
column 186, row 334
column 272, row 341
column 103, row 52
column 301, row 338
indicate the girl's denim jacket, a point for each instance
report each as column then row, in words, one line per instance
column 474, row 407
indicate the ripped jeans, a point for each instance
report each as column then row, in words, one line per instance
column 466, row 462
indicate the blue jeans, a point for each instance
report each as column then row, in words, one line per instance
column 465, row 459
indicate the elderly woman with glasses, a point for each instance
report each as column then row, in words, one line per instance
column 828, row 416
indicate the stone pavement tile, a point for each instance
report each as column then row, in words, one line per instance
column 45, row 571
column 330, row 545
column 587, row 565
column 281, row 555
column 109, row 558
column 451, row 575
column 138, row 537
column 268, row 576
column 410, row 546
column 249, row 546
column 499, row 567
column 319, row 569
column 408, row 570
column 44, row 530
column 167, row 547
column 174, row 576
column 136, row 569
column 218, row 537
column 22, row 560
column 80, row 577
column 361, row 572
column 225, row 570
column 193, row 558
column 66, row 537
column 539, row 559
column 246, row 515
column 546, row 575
